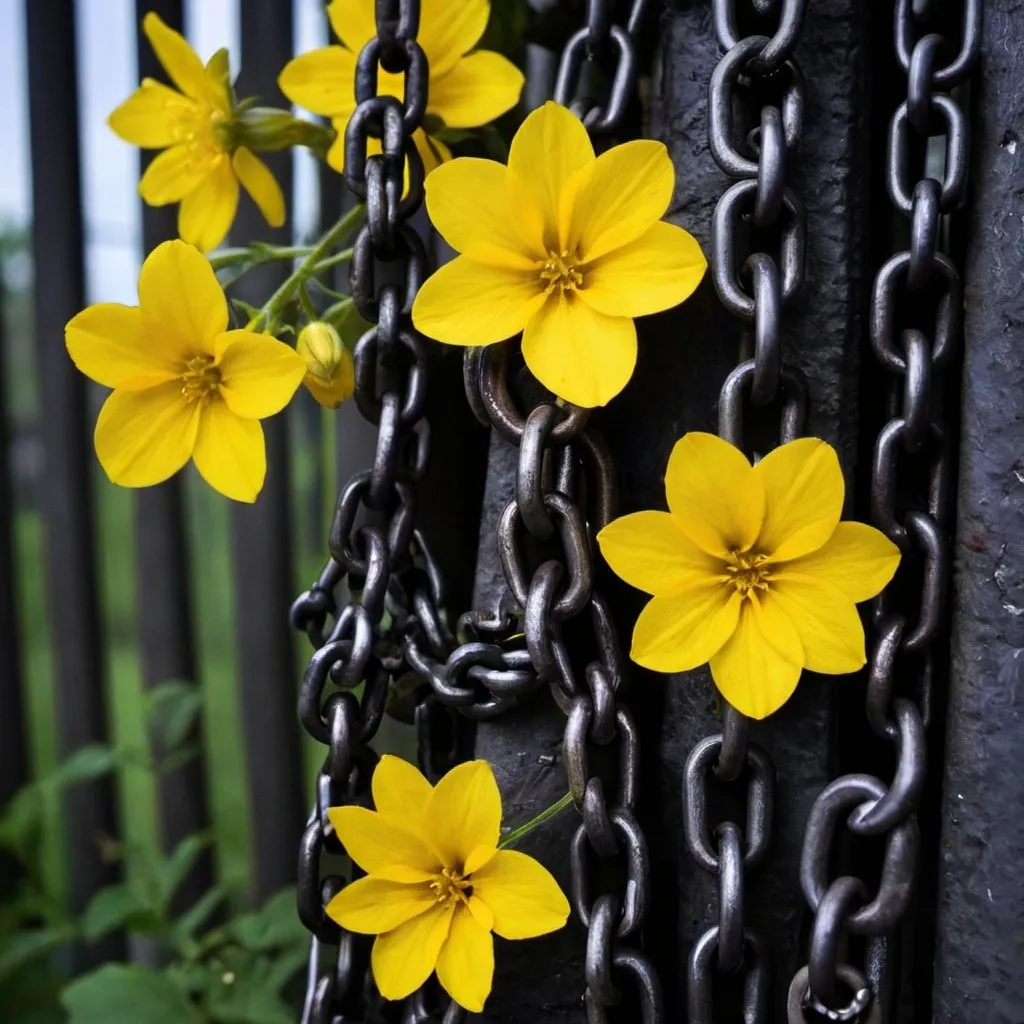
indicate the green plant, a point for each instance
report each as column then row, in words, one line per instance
column 217, row 966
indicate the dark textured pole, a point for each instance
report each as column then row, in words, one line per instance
column 89, row 816
column 262, row 535
column 980, row 935
column 684, row 358
column 166, row 641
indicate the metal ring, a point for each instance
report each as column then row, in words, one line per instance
column 955, row 176
column 700, row 975
column 800, row 999
column 730, row 896
column 776, row 50
column 958, row 69
column 881, row 673
column 574, row 747
column 530, row 471
column 732, row 758
column 917, row 391
column 605, row 119
column 600, row 830
column 838, row 903
column 731, row 397
column 724, row 80
column 771, row 168
column 598, row 963
column 767, row 288
column 928, row 538
column 924, row 232
column 723, row 247
column 645, row 978
column 920, row 79
column 760, row 803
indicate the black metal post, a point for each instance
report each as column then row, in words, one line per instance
column 58, row 249
column 166, row 641
column 262, row 532
column 980, row 931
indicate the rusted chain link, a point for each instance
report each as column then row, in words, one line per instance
column 914, row 325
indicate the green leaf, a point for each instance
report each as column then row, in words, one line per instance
column 198, row 914
column 23, row 947
column 118, row 906
column 126, row 992
column 275, row 925
column 245, row 993
column 179, row 758
column 84, row 765
column 172, row 710
column 22, row 821
column 180, row 862
column 247, row 311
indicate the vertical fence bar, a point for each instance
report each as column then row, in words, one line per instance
column 166, row 642
column 980, row 931
column 262, row 533
column 58, row 251
column 13, row 762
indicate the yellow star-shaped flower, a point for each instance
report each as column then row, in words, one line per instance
column 184, row 385
column 562, row 245
column 751, row 569
column 437, row 885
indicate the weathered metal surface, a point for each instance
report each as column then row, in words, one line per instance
column 58, row 253
column 166, row 641
column 261, row 533
column 980, row 935
column 685, row 356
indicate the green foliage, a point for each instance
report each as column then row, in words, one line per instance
column 235, row 971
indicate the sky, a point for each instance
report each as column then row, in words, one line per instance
column 106, row 76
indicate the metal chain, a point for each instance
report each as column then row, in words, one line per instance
column 755, row 286
column 375, row 547
column 914, row 326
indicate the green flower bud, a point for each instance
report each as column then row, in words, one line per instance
column 329, row 370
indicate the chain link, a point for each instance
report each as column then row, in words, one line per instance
column 375, row 547
column 758, row 79
column 914, row 327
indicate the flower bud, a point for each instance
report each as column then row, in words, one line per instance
column 267, row 128
column 329, row 370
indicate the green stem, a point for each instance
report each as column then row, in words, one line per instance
column 307, row 306
column 546, row 815
column 305, row 269
column 332, row 261
column 231, row 257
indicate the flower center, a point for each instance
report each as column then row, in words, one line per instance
column 748, row 571
column 560, row 270
column 450, row 886
column 200, row 379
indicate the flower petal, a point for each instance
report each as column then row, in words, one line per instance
column 478, row 858
column 656, row 271
column 154, row 116
column 370, row 906
column 321, row 81
column 749, row 670
column 469, row 303
column 714, row 494
column 404, row 958
column 465, row 966
column 686, row 628
column 206, row 213
column 400, row 791
column 432, row 151
column 464, row 812
column 171, row 175
column 375, row 842
column 258, row 180
column 826, row 619
column 353, row 22
column 107, row 343
column 627, row 190
column 479, row 89
column 858, row 559
column 447, row 31
column 804, row 488
column 145, row 437
column 500, row 227
column 259, row 375
column 522, row 894
column 482, row 913
column 230, row 452
column 178, row 59
column 549, row 150
column 650, row 552
column 181, row 299
column 580, row 355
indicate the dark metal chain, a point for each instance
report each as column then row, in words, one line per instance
column 756, row 213
column 914, row 325
column 375, row 548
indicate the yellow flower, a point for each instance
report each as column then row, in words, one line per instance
column 437, row 885
column 200, row 166
column 466, row 89
column 751, row 570
column 330, row 374
column 184, row 385
column 562, row 246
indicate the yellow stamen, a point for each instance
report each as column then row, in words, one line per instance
column 450, row 885
column 747, row 571
column 200, row 379
column 560, row 270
